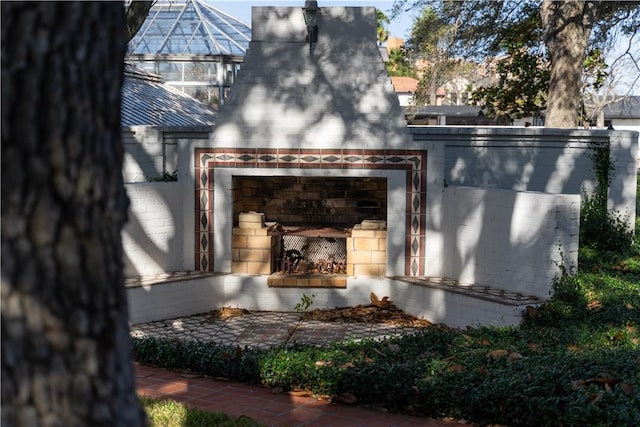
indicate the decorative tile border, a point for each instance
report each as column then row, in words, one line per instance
column 412, row 161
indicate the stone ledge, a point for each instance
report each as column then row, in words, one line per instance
column 174, row 276
column 483, row 292
column 307, row 281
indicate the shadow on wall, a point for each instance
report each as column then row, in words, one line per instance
column 508, row 216
column 323, row 99
column 151, row 237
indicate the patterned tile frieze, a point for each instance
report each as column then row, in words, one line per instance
column 412, row 161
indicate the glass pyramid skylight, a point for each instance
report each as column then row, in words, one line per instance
column 190, row 27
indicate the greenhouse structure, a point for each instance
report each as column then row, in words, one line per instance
column 193, row 46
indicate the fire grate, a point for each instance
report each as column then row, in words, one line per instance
column 324, row 254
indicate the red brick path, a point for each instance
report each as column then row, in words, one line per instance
column 265, row 407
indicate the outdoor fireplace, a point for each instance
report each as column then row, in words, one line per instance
column 234, row 181
column 315, row 141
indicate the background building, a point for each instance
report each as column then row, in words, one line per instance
column 194, row 46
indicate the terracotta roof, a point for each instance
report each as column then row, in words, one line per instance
column 404, row 84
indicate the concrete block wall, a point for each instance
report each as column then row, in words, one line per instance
column 153, row 236
column 174, row 299
column 622, row 188
column 509, row 240
column 144, row 154
column 253, row 248
column 150, row 151
column 183, row 298
column 338, row 95
column 554, row 161
column 367, row 252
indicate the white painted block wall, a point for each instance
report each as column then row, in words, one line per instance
column 509, row 240
column 143, row 153
column 153, row 236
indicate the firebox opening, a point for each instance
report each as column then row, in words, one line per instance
column 312, row 202
column 319, row 228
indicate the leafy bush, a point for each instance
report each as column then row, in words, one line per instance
column 204, row 357
column 601, row 228
column 166, row 177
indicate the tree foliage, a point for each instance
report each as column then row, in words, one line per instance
column 521, row 89
column 399, row 64
column 559, row 33
column 381, row 32
column 429, row 46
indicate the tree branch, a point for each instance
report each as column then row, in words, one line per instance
column 137, row 12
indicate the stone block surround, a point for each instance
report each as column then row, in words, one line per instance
column 411, row 163
column 256, row 250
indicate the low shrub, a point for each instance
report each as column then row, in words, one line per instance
column 601, row 228
column 166, row 177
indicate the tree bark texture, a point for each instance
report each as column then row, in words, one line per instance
column 66, row 352
column 567, row 26
column 137, row 12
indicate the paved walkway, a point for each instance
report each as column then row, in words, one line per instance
column 264, row 329
column 274, row 410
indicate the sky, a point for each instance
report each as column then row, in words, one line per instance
column 242, row 10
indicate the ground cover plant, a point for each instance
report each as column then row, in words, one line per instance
column 574, row 360
column 169, row 413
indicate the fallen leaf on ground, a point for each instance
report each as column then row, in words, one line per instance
column 513, row 356
column 534, row 347
column 346, row 398
column 594, row 305
column 627, row 388
column 300, row 393
column 495, row 354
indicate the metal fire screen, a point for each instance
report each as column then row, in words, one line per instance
column 321, row 254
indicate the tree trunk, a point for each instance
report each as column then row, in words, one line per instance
column 567, row 26
column 66, row 355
